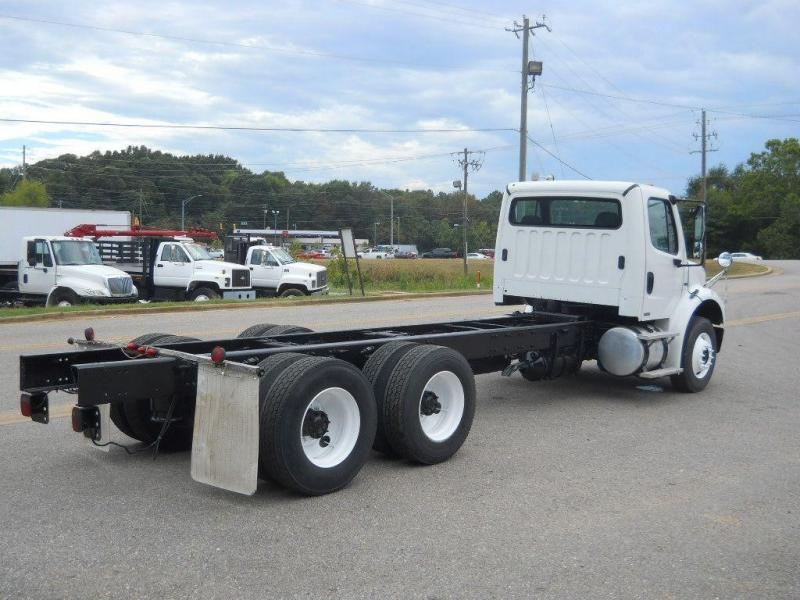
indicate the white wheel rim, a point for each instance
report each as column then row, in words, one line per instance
column 65, row 303
column 201, row 298
column 449, row 395
column 702, row 355
column 344, row 418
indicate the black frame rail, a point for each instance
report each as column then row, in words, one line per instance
column 108, row 375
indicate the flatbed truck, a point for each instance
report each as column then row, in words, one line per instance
column 603, row 270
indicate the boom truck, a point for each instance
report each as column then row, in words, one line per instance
column 605, row 271
column 168, row 264
column 39, row 265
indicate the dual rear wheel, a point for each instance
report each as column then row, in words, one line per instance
column 320, row 416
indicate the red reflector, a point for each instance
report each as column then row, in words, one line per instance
column 132, row 346
column 77, row 419
column 218, row 355
column 25, row 406
column 141, row 349
column 151, row 351
column 88, row 333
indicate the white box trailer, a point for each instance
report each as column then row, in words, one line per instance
column 17, row 222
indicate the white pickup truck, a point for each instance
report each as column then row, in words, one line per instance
column 275, row 273
column 62, row 271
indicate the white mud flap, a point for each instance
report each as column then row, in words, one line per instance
column 226, row 428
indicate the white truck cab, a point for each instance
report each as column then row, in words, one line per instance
column 274, row 272
column 187, row 266
column 62, row 271
column 615, row 251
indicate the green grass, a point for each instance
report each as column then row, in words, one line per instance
column 738, row 269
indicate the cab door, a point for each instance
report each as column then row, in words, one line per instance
column 266, row 270
column 664, row 277
column 173, row 267
column 38, row 272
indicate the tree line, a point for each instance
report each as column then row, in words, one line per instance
column 224, row 194
column 753, row 207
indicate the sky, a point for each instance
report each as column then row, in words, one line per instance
column 619, row 97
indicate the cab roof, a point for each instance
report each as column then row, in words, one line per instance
column 582, row 187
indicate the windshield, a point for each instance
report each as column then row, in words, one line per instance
column 283, row 256
column 76, row 252
column 198, row 252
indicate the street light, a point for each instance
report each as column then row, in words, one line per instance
column 375, row 232
column 275, row 214
column 183, row 210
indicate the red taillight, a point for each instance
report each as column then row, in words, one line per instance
column 25, row 406
column 218, row 355
column 151, row 352
column 141, row 349
column 132, row 346
column 88, row 333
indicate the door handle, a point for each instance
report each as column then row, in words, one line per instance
column 159, row 265
column 251, row 268
column 504, row 254
column 651, row 279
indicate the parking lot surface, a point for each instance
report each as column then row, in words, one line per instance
column 584, row 487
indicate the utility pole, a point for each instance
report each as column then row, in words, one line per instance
column 529, row 69
column 265, row 217
column 467, row 164
column 24, row 163
column 391, row 221
column 288, row 208
column 375, row 233
column 704, row 150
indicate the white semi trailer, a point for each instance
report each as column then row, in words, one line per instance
column 605, row 271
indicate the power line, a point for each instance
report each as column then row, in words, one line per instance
column 448, row 19
column 194, row 40
column 566, row 164
column 251, row 128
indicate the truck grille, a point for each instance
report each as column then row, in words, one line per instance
column 241, row 278
column 322, row 278
column 120, row 286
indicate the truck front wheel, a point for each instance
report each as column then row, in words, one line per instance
column 318, row 422
column 698, row 357
column 203, row 294
column 64, row 298
column 289, row 292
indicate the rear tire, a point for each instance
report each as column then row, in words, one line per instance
column 286, row 330
column 117, row 413
column 293, row 448
column 256, row 330
column 138, row 415
column 377, row 370
column 429, row 404
column 698, row 357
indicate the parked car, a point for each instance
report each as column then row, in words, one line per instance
column 487, row 252
column 477, row 256
column 745, row 257
column 378, row 252
column 217, row 254
column 440, row 253
column 319, row 254
column 406, row 251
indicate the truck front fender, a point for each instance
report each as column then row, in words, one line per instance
column 203, row 281
column 699, row 302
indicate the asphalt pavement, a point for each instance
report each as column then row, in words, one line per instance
column 586, row 487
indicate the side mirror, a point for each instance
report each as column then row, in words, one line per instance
column 725, row 260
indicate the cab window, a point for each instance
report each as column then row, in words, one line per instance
column 663, row 233
column 566, row 211
column 257, row 257
column 271, row 261
column 39, row 253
